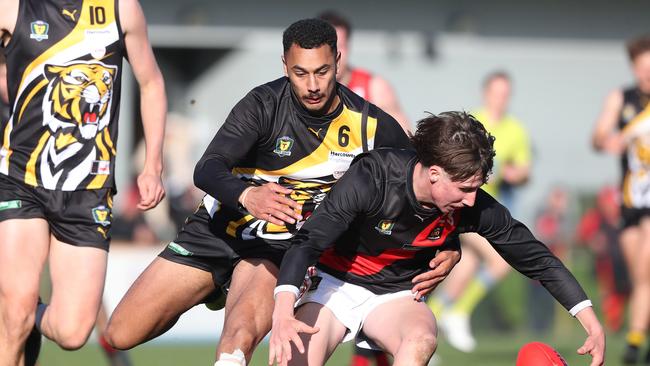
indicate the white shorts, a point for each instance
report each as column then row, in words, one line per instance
column 350, row 303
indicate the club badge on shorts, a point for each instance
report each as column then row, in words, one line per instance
column 101, row 215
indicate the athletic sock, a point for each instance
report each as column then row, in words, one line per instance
column 635, row 338
column 474, row 293
column 40, row 311
column 360, row 360
column 108, row 349
column 439, row 303
column 237, row 358
column 382, row 359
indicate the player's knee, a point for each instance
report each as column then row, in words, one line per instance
column 71, row 333
column 72, row 338
column 243, row 338
column 421, row 344
column 118, row 337
column 17, row 324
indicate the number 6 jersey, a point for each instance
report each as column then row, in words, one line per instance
column 270, row 137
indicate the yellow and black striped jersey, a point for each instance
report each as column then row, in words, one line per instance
column 64, row 64
column 634, row 122
column 270, row 137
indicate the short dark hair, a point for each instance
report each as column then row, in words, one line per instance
column 310, row 33
column 637, row 46
column 456, row 142
column 336, row 20
column 498, row 74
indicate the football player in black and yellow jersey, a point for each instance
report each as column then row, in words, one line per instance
column 279, row 152
column 623, row 129
column 379, row 228
column 57, row 158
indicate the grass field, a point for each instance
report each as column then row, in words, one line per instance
column 494, row 350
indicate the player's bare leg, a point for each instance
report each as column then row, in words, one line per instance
column 24, row 245
column 155, row 301
column 630, row 241
column 249, row 307
column 113, row 356
column 77, row 275
column 638, row 239
column 319, row 346
column 404, row 328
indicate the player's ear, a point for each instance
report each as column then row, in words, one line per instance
column 434, row 173
column 338, row 63
column 284, row 66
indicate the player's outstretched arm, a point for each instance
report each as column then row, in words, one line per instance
column 595, row 342
column 153, row 101
column 285, row 329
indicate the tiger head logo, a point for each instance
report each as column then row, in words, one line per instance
column 78, row 96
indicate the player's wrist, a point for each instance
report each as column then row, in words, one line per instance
column 242, row 197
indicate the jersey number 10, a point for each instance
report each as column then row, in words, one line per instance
column 97, row 15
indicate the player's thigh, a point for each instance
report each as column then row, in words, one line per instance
column 251, row 287
column 319, row 346
column 158, row 296
column 77, row 274
column 24, row 244
column 400, row 320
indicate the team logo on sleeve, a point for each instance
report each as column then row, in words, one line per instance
column 283, row 146
column 385, row 227
column 101, row 215
column 39, row 30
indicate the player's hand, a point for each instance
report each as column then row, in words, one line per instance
column 440, row 266
column 285, row 330
column 595, row 346
column 615, row 144
column 269, row 202
column 151, row 190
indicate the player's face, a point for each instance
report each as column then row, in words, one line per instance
column 342, row 45
column 449, row 195
column 312, row 73
column 641, row 69
column 497, row 95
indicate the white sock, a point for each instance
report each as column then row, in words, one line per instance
column 236, row 358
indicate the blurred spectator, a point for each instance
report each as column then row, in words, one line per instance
column 599, row 229
column 623, row 129
column 481, row 268
column 551, row 228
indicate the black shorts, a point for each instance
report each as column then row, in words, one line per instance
column 202, row 243
column 633, row 216
column 80, row 218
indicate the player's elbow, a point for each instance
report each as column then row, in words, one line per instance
column 201, row 175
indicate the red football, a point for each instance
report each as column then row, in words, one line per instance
column 539, row 354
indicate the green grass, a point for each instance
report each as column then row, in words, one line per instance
column 494, row 349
